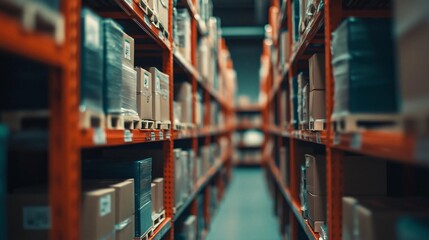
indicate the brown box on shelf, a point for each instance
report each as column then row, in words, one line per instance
column 316, row 205
column 362, row 175
column 316, row 174
column 165, row 96
column 317, row 71
column 153, row 5
column 376, row 217
column 159, row 192
column 28, row 216
column 144, row 94
column 183, row 94
column 412, row 36
column 317, row 105
column 98, row 214
column 128, row 51
column 163, row 13
column 156, row 93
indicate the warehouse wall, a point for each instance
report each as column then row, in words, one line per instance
column 246, row 56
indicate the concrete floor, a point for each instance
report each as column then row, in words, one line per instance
column 246, row 212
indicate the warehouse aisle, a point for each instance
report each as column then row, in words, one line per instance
column 246, row 212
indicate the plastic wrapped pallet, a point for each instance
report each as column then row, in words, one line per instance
column 412, row 37
column 184, row 33
column 141, row 172
column 3, row 160
column 92, row 55
column 112, row 66
column 128, row 92
column 183, row 94
column 156, row 93
column 363, row 64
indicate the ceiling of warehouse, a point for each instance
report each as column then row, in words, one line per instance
column 249, row 15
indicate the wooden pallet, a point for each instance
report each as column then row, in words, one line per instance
column 178, row 126
column 163, row 125
column 303, row 126
column 157, row 219
column 91, row 119
column 147, row 124
column 131, row 122
column 25, row 120
column 317, row 125
column 349, row 123
column 146, row 235
column 114, row 121
column 36, row 17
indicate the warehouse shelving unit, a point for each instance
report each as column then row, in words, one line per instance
column 391, row 146
column 66, row 142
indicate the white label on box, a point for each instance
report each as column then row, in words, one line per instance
column 99, row 136
column 128, row 136
column 127, row 49
column 161, row 136
column 105, row 205
column 130, row 3
column 146, row 20
column 167, row 135
column 157, row 84
column 92, row 31
column 146, row 81
column 152, row 136
column 36, row 218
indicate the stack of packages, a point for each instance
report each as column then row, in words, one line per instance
column 363, row 64
column 144, row 94
column 412, row 36
column 161, row 95
column 214, row 36
column 317, row 111
column 199, row 110
column 203, row 58
column 112, row 85
column 372, row 183
column 186, row 230
column 91, row 90
column 106, row 212
column 183, row 97
column 157, row 189
column 183, row 33
column 129, row 79
column 303, row 100
column 141, row 172
column 184, row 174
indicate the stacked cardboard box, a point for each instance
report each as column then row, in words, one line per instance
column 317, row 109
column 144, row 94
column 158, row 195
column 183, row 33
column 129, row 78
column 159, row 93
column 141, row 172
column 183, row 95
column 412, row 35
column 373, row 182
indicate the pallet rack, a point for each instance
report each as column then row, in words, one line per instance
column 66, row 143
column 391, row 146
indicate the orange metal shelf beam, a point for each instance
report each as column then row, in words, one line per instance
column 161, row 230
column 118, row 137
column 34, row 45
column 311, row 136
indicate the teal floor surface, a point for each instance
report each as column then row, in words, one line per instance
column 246, row 212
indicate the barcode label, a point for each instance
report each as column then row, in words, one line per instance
column 128, row 136
column 99, row 136
column 127, row 50
column 167, row 135
column 152, row 136
column 105, row 205
column 161, row 136
column 36, row 218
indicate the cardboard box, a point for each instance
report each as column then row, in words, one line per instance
column 183, row 94
column 128, row 51
column 153, row 191
column 316, row 205
column 348, row 217
column 183, row 22
column 98, row 214
column 177, row 110
column 154, row 6
column 316, row 174
column 305, row 103
column 317, row 72
column 159, row 192
column 143, row 220
column 163, row 13
column 144, row 94
column 165, row 96
column 362, row 175
column 412, row 34
column 317, row 105
column 156, row 93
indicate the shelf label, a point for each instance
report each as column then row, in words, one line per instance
column 167, row 135
column 318, row 138
column 99, row 136
column 128, row 136
column 146, row 20
column 356, row 141
column 421, row 151
column 161, row 135
column 148, row 136
column 130, row 3
column 336, row 138
column 152, row 136
column 36, row 218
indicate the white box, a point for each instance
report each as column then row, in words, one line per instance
column 156, row 93
column 163, row 13
column 144, row 94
